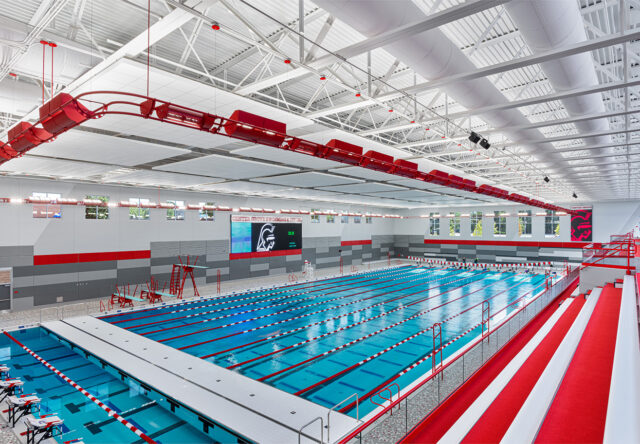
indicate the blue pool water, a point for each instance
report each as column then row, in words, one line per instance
column 82, row 418
column 323, row 340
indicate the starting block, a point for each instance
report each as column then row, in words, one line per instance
column 39, row 429
column 23, row 405
column 4, row 371
column 10, row 387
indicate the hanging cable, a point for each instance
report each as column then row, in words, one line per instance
column 148, row 41
column 52, row 45
column 44, row 45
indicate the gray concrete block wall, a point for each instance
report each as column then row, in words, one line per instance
column 36, row 285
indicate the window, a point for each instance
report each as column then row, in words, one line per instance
column 138, row 212
column 208, row 215
column 476, row 223
column 368, row 220
column 49, row 210
column 454, row 224
column 524, row 223
column 176, row 213
column 315, row 218
column 344, row 220
column 97, row 211
column 331, row 218
column 499, row 223
column 551, row 224
column 434, row 224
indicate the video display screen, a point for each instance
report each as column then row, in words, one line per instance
column 256, row 234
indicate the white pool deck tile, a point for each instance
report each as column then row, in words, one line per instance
column 258, row 411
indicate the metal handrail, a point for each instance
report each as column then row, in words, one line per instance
column 308, row 424
column 339, row 404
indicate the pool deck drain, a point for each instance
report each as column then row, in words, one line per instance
column 252, row 409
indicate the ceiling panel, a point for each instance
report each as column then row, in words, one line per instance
column 54, row 167
column 288, row 157
column 365, row 173
column 154, row 130
column 363, row 188
column 160, row 178
column 79, row 145
column 227, row 167
column 244, row 187
column 405, row 194
column 309, row 180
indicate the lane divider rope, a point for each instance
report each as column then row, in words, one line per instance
column 95, row 400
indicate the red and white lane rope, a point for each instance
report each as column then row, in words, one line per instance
column 422, row 282
column 419, row 361
column 288, row 296
column 288, row 332
column 363, row 361
column 282, row 289
column 95, row 400
column 346, row 327
column 367, row 336
column 421, row 278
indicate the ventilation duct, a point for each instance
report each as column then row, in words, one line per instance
column 434, row 56
column 550, row 24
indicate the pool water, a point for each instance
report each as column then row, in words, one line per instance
column 82, row 418
column 327, row 339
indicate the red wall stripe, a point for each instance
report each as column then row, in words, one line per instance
column 72, row 258
column 508, row 243
column 355, row 242
column 254, row 254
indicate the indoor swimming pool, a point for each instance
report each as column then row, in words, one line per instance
column 143, row 408
column 328, row 339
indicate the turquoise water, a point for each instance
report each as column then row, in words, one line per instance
column 82, row 418
column 328, row 339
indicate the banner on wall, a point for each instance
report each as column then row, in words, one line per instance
column 262, row 234
column 582, row 225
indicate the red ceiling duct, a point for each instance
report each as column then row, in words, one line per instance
column 518, row 198
column 487, row 190
column 499, row 192
column 439, row 177
column 25, row 136
column 405, row 168
column 343, row 152
column 426, row 177
column 377, row 161
column 469, row 185
column 62, row 113
column 7, row 152
column 183, row 116
column 306, row 147
column 456, row 182
column 254, row 128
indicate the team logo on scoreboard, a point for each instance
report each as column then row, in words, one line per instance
column 266, row 238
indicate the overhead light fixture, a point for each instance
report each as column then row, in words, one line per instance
column 546, row 179
column 575, row 196
column 474, row 138
column 484, row 143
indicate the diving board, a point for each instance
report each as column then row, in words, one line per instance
column 257, row 411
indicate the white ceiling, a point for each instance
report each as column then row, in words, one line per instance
column 135, row 151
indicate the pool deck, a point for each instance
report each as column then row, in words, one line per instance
column 255, row 410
